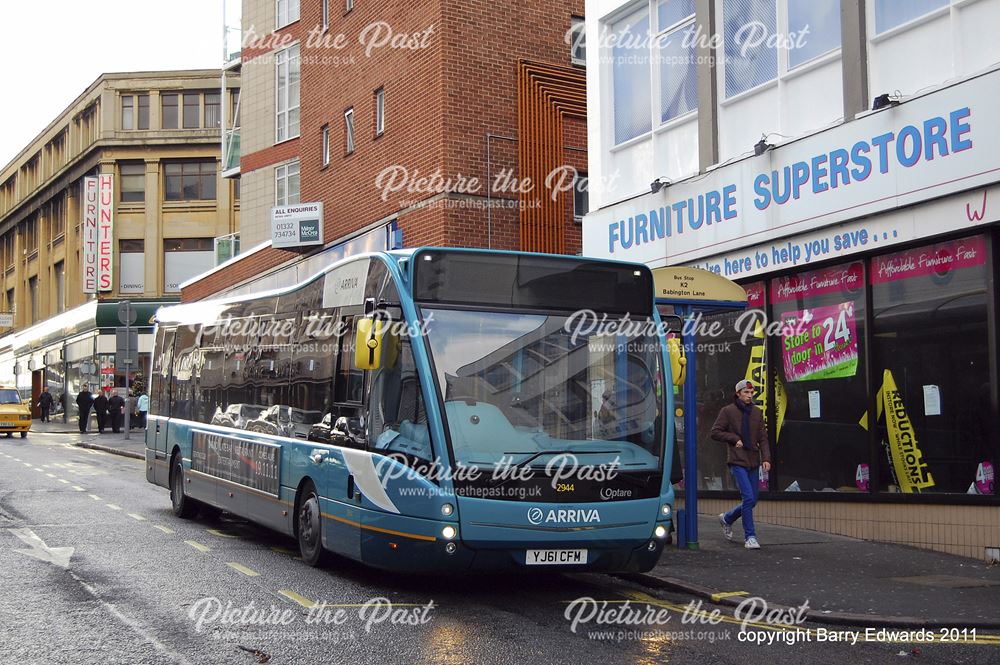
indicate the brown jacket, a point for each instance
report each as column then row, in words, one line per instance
column 728, row 429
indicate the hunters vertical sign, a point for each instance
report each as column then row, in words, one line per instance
column 105, row 231
column 98, row 233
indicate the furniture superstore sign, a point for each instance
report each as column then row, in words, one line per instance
column 935, row 145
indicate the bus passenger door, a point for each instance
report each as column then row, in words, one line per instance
column 157, row 418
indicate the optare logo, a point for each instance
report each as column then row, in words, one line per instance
column 569, row 515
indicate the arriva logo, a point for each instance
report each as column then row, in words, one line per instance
column 563, row 515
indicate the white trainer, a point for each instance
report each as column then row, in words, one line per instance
column 751, row 544
column 727, row 529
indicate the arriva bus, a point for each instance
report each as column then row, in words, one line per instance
column 429, row 409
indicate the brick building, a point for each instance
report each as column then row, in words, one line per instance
column 413, row 123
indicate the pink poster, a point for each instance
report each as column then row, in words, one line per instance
column 848, row 279
column 820, row 343
column 931, row 260
column 755, row 295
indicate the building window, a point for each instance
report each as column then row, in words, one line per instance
column 326, row 14
column 59, row 273
column 128, row 112
column 287, row 107
column 168, row 111
column 192, row 110
column 286, row 11
column 821, row 366
column 677, row 58
column 630, row 71
column 578, row 41
column 892, row 13
column 379, row 111
column 135, row 111
column 132, row 266
column 183, row 258
column 349, row 130
column 33, row 298
column 581, row 196
column 132, row 182
column 326, row 145
column 190, row 181
column 142, row 104
column 747, row 63
column 213, row 110
column 931, row 349
column 819, row 25
column 10, row 300
column 813, row 30
column 286, row 184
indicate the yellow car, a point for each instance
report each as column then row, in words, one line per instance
column 15, row 415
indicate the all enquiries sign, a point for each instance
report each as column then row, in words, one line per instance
column 299, row 225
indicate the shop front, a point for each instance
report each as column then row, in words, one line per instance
column 74, row 349
column 869, row 256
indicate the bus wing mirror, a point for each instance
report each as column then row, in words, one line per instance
column 374, row 344
column 678, row 363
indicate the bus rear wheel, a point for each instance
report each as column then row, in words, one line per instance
column 309, row 526
column 184, row 507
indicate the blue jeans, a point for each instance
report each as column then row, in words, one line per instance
column 747, row 480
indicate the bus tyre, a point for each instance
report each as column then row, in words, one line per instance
column 309, row 527
column 24, row 435
column 184, row 507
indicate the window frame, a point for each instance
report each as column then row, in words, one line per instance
column 176, row 110
column 122, row 191
column 283, row 106
column 201, row 175
column 577, row 26
column 325, row 134
column 287, row 5
column 128, row 120
column 349, row 142
column 283, row 173
column 379, row 111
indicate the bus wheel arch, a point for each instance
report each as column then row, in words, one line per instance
column 308, row 523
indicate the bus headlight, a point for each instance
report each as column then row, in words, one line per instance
column 660, row 531
column 665, row 510
column 447, row 509
column 449, row 532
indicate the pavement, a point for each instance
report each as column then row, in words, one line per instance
column 818, row 576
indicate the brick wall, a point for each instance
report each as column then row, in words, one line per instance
column 454, row 82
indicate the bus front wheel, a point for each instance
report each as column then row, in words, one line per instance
column 309, row 526
column 184, row 507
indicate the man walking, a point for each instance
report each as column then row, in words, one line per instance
column 741, row 426
column 45, row 404
column 83, row 402
column 101, row 409
column 116, row 411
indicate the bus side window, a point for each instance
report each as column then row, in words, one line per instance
column 348, row 395
column 397, row 418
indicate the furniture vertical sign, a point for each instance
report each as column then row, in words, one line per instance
column 90, row 236
column 98, row 233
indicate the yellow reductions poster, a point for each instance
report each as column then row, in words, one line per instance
column 907, row 460
column 757, row 373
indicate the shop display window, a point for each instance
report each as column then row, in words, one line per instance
column 932, row 366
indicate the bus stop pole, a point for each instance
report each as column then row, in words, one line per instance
column 690, row 434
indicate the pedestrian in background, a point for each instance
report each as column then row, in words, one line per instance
column 741, row 426
column 143, row 406
column 101, row 409
column 83, row 402
column 116, row 411
column 45, row 404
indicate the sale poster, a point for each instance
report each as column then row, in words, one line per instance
column 820, row 343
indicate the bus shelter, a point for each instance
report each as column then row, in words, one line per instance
column 686, row 293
